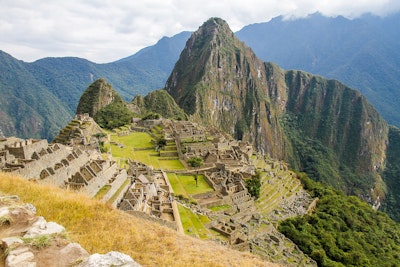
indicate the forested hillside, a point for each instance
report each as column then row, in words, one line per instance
column 363, row 53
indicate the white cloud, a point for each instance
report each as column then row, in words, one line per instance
column 107, row 30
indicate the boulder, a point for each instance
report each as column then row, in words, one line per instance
column 112, row 258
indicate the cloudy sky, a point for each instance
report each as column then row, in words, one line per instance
column 107, row 30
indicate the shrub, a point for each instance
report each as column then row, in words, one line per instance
column 195, row 162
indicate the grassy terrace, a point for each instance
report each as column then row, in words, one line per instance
column 271, row 194
column 193, row 224
column 138, row 146
column 185, row 185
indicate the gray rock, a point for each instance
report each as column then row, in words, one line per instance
column 18, row 251
column 41, row 227
column 9, row 242
column 73, row 252
column 30, row 207
column 17, row 258
column 4, row 211
column 112, row 258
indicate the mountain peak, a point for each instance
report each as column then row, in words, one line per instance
column 213, row 25
column 98, row 95
column 218, row 80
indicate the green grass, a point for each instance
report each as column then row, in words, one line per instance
column 190, row 184
column 193, row 224
column 134, row 140
column 176, row 185
column 102, row 192
column 185, row 185
column 40, row 241
column 148, row 156
column 171, row 164
column 220, row 207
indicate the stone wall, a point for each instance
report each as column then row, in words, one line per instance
column 116, row 182
column 44, row 161
column 95, row 184
column 25, row 148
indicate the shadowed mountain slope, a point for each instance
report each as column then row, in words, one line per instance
column 362, row 52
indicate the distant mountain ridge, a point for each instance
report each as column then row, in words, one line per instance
column 363, row 53
column 42, row 96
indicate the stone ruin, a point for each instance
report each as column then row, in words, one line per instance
column 59, row 165
column 79, row 132
column 150, row 193
column 192, row 140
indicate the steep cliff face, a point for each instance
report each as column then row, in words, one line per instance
column 318, row 125
column 339, row 120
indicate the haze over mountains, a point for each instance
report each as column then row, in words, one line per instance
column 42, row 96
column 362, row 53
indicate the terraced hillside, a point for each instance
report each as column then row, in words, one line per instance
column 205, row 211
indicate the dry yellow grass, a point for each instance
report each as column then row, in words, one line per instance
column 100, row 228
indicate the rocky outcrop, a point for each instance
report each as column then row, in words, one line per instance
column 98, row 95
column 28, row 240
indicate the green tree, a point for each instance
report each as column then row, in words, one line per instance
column 253, row 185
column 195, row 162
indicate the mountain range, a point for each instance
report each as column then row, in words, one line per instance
column 42, row 96
column 320, row 126
column 362, row 53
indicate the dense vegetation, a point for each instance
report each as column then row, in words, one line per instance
column 362, row 52
column 344, row 231
column 391, row 175
column 27, row 109
column 195, row 162
column 42, row 96
column 159, row 101
column 253, row 185
column 104, row 104
column 113, row 116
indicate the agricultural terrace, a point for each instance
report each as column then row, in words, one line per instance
column 139, row 146
column 185, row 185
column 194, row 224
